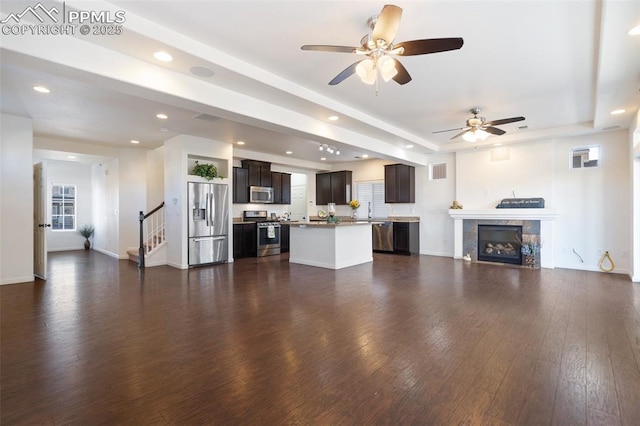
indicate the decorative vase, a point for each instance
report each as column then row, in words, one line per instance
column 354, row 214
column 87, row 244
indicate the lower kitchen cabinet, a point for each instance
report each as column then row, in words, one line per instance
column 284, row 238
column 406, row 237
column 245, row 240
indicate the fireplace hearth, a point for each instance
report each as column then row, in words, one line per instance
column 500, row 243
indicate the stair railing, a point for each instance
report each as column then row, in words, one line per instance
column 155, row 232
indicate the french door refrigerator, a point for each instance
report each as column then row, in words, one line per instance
column 208, row 223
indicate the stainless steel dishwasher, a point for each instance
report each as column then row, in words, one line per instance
column 383, row 236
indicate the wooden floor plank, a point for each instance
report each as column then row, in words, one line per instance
column 402, row 340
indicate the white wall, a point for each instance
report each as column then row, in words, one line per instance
column 105, row 181
column 69, row 173
column 433, row 199
column 16, row 199
column 132, row 164
column 593, row 204
column 481, row 182
column 155, row 178
column 634, row 148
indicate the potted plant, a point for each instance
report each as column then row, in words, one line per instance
column 207, row 171
column 87, row 232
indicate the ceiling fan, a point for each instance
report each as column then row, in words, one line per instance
column 479, row 129
column 377, row 48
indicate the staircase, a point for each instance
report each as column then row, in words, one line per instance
column 152, row 239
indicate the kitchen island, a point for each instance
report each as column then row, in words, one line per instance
column 331, row 245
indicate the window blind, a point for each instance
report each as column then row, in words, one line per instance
column 371, row 192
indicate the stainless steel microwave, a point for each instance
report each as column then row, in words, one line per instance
column 261, row 194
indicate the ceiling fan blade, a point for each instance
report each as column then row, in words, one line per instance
column 461, row 133
column 327, row 48
column 403, row 76
column 387, row 23
column 450, row 130
column 504, row 121
column 348, row 72
column 494, row 130
column 430, row 45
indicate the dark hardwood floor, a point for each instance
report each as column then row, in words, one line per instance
column 404, row 340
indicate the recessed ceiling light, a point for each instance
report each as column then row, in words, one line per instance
column 365, row 155
column 497, row 144
column 617, row 111
column 162, row 116
column 334, row 118
column 71, row 157
column 135, row 141
column 323, row 159
column 164, row 129
column 408, row 146
column 635, row 31
column 289, row 152
column 240, row 142
column 163, row 56
column 41, row 89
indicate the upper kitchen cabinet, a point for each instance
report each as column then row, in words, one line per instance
column 399, row 183
column 281, row 183
column 240, row 185
column 333, row 187
column 259, row 172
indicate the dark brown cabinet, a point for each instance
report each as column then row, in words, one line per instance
column 281, row 183
column 399, row 183
column 259, row 172
column 240, row 185
column 245, row 240
column 333, row 187
column 284, row 238
column 406, row 237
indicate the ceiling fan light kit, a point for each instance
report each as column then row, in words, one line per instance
column 378, row 47
column 478, row 129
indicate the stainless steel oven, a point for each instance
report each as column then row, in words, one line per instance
column 268, row 238
column 268, row 234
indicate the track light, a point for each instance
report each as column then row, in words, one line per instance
column 329, row 148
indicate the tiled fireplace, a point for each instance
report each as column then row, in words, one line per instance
column 534, row 224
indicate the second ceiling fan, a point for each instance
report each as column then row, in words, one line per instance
column 479, row 129
column 377, row 48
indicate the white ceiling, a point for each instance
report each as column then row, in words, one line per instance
column 564, row 65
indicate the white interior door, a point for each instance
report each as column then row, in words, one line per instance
column 40, row 221
column 298, row 202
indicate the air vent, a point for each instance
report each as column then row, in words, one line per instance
column 206, row 117
column 437, row 171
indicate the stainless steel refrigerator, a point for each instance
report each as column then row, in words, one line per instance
column 208, row 223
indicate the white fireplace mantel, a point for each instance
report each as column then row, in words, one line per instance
column 504, row 214
column 545, row 216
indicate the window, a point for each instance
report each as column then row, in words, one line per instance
column 586, row 156
column 371, row 192
column 63, row 207
column 437, row 171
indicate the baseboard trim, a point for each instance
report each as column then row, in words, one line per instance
column 110, row 254
column 18, row 280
